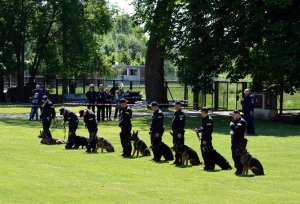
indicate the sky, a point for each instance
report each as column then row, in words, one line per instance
column 124, row 5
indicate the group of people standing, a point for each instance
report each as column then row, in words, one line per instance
column 103, row 100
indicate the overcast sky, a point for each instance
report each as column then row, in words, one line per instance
column 124, row 5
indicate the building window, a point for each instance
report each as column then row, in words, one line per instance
column 133, row 72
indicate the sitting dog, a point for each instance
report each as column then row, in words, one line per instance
column 188, row 155
column 251, row 163
column 82, row 141
column 104, row 144
column 49, row 141
column 139, row 146
column 166, row 152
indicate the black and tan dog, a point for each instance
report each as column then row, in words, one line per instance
column 82, row 141
column 104, row 144
column 188, row 155
column 166, row 152
column 249, row 162
column 49, row 141
column 139, row 146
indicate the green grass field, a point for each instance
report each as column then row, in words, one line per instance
column 34, row 173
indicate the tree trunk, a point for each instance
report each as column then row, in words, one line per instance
column 1, row 87
column 154, row 75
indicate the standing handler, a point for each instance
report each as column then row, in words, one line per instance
column 238, row 142
column 156, row 131
column 125, row 125
column 91, row 124
column 206, row 139
column 72, row 118
column 248, row 103
column 48, row 113
column 178, row 124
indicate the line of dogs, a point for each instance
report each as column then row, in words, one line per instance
column 187, row 153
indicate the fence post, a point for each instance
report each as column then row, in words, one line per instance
column 227, row 95
column 130, row 86
column 114, row 83
column 216, row 98
column 56, row 86
column 196, row 100
column 84, row 86
column 186, row 96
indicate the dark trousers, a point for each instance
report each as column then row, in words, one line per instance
column 236, row 156
column 72, row 139
column 207, row 154
column 91, row 107
column 93, row 140
column 250, row 123
column 108, row 111
column 178, row 142
column 34, row 113
column 101, row 108
column 117, row 110
column 46, row 127
column 125, row 141
column 156, row 146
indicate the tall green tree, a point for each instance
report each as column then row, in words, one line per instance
column 155, row 16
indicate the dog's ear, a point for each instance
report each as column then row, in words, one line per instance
column 137, row 132
column 133, row 133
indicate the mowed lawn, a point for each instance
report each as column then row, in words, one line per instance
column 34, row 173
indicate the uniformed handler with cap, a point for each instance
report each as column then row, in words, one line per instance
column 125, row 125
column 73, row 121
column 178, row 124
column 238, row 142
column 47, row 115
column 90, row 121
column 156, row 131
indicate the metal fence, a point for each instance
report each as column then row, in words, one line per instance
column 224, row 97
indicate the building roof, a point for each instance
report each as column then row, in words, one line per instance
column 129, row 66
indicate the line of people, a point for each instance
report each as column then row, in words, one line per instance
column 103, row 100
column 237, row 131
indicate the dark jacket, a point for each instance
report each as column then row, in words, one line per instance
column 248, row 104
column 48, row 111
column 157, row 124
column 100, row 97
column 72, row 118
column 90, row 121
column 91, row 96
column 108, row 98
column 34, row 102
column 178, row 122
column 238, row 129
column 207, row 129
column 125, row 119
column 41, row 93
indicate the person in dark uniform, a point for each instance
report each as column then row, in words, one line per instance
column 101, row 103
column 91, row 124
column 108, row 103
column 248, row 103
column 72, row 118
column 125, row 125
column 238, row 142
column 156, row 131
column 47, row 115
column 178, row 124
column 91, row 97
column 206, row 139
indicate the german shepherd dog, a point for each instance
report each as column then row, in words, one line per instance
column 188, row 155
column 104, row 144
column 249, row 162
column 139, row 146
column 49, row 141
column 82, row 141
column 166, row 152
